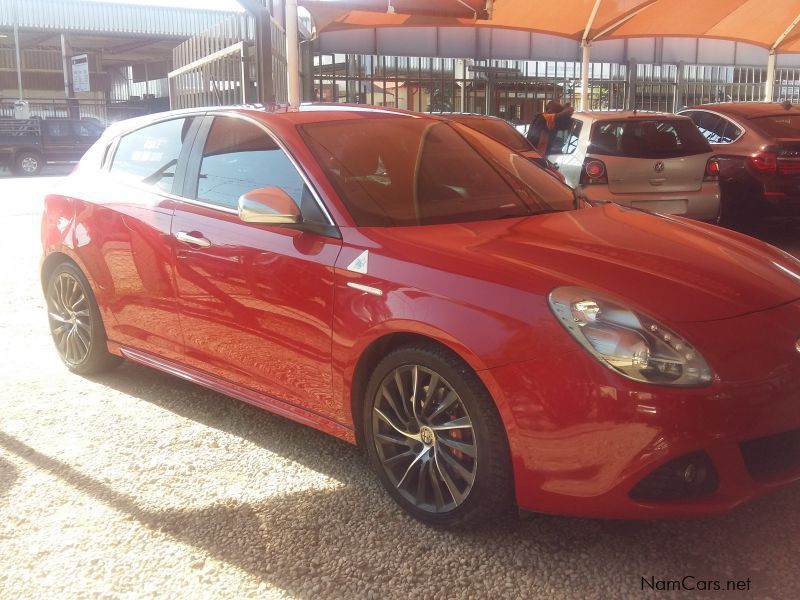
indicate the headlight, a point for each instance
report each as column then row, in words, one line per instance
column 627, row 341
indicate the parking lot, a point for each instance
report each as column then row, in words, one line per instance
column 138, row 484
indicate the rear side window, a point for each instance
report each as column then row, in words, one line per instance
column 716, row 129
column 149, row 155
column 647, row 138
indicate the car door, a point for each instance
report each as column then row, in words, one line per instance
column 85, row 134
column 58, row 138
column 255, row 301
column 563, row 151
column 127, row 220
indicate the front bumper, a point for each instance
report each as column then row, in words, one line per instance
column 582, row 437
column 702, row 204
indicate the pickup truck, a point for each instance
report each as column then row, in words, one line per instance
column 26, row 145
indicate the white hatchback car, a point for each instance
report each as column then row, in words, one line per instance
column 656, row 162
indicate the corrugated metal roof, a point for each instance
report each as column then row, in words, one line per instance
column 99, row 17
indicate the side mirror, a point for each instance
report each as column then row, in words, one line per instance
column 270, row 205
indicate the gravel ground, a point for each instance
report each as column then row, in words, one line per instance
column 136, row 484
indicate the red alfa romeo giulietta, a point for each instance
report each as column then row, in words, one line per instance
column 406, row 283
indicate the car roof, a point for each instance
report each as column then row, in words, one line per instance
column 746, row 110
column 626, row 114
column 305, row 113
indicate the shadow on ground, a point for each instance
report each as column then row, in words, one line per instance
column 330, row 525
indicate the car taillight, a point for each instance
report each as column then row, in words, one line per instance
column 594, row 171
column 764, row 163
column 712, row 170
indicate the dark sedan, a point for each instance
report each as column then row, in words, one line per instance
column 758, row 144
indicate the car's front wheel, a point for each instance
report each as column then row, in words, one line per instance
column 75, row 322
column 435, row 438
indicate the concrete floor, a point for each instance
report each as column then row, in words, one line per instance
column 136, row 484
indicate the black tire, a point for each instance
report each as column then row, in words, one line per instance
column 75, row 322
column 458, row 503
column 28, row 163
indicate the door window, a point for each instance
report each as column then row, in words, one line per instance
column 149, row 155
column 58, row 129
column 565, row 141
column 239, row 157
column 87, row 130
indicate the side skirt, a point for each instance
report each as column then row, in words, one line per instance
column 273, row 405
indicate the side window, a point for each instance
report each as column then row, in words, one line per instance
column 565, row 141
column 58, row 129
column 150, row 154
column 240, row 157
column 716, row 129
column 89, row 130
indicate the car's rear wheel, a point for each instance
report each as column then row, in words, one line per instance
column 28, row 163
column 435, row 438
column 75, row 322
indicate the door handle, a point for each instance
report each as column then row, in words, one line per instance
column 188, row 238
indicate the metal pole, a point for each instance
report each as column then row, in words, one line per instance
column 64, row 65
column 292, row 53
column 769, row 86
column 19, row 59
column 585, row 59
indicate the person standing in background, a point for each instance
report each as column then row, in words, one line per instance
column 555, row 116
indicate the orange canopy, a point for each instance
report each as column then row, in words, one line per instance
column 772, row 24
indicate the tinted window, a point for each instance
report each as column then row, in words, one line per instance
column 565, row 141
column 779, row 126
column 240, row 157
column 89, row 130
column 716, row 129
column 396, row 171
column 150, row 154
column 58, row 128
column 647, row 138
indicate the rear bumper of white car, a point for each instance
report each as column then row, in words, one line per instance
column 702, row 204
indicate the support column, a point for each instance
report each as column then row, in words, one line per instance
column 630, row 92
column 19, row 59
column 292, row 53
column 586, row 56
column 65, row 65
column 769, row 86
column 680, row 88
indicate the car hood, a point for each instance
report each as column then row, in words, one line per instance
column 671, row 268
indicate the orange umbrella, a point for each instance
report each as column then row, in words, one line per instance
column 772, row 25
column 768, row 24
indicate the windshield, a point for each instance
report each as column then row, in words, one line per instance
column 395, row 171
column 648, row 138
column 496, row 129
column 779, row 126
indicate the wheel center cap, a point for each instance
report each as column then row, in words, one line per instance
column 426, row 435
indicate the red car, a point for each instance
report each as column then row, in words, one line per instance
column 406, row 283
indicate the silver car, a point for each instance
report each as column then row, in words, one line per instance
column 652, row 161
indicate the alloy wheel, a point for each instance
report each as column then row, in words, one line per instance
column 424, row 438
column 70, row 322
column 29, row 164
